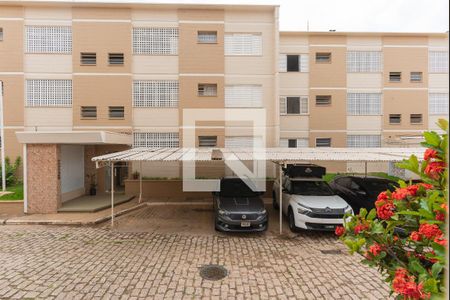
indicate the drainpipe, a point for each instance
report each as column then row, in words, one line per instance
column 112, row 194
column 280, row 187
column 2, row 133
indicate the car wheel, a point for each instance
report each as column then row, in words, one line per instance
column 291, row 221
column 274, row 201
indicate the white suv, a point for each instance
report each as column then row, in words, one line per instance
column 310, row 203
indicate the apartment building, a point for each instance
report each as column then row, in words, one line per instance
column 84, row 79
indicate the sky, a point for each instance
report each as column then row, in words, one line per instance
column 348, row 15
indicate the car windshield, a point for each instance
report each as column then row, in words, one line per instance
column 375, row 186
column 311, row 188
column 235, row 188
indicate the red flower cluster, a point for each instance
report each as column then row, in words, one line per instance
column 360, row 227
column 434, row 169
column 429, row 154
column 430, row 231
column 385, row 209
column 339, row 230
column 441, row 240
column 415, row 236
column 375, row 249
column 406, row 286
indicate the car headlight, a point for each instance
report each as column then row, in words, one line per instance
column 303, row 209
column 223, row 212
column 348, row 210
column 263, row 212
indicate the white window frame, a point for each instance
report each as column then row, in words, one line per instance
column 304, row 106
column 155, row 40
column 364, row 61
column 438, row 103
column 364, row 104
column 301, row 142
column 243, row 44
column 207, row 37
column 243, row 95
column 363, row 141
column 156, row 139
column 303, row 62
column 155, row 93
column 48, row 92
column 48, row 39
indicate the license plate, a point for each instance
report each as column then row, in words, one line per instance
column 245, row 224
column 329, row 226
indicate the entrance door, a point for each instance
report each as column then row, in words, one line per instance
column 120, row 175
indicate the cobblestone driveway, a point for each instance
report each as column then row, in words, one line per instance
column 82, row 262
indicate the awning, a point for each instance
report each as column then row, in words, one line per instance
column 74, row 137
column 284, row 155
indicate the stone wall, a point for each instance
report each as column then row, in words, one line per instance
column 44, row 178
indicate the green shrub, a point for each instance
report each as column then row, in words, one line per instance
column 11, row 171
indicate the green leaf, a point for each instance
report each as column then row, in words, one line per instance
column 432, row 138
column 377, row 228
column 363, row 212
column 372, row 214
column 415, row 266
column 430, row 285
column 438, row 249
column 436, row 269
column 443, row 124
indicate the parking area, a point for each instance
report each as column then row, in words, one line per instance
column 157, row 252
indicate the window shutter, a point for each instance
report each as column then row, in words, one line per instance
column 156, row 139
column 282, row 63
column 283, row 106
column 304, row 105
column 304, row 63
column 243, row 95
column 243, row 44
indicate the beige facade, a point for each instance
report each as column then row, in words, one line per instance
column 134, row 69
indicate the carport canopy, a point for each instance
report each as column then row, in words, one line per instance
column 279, row 156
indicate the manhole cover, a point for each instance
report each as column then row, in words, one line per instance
column 213, row 272
column 331, row 251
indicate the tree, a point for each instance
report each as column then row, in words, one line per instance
column 405, row 235
column 10, row 170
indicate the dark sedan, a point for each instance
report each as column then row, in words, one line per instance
column 237, row 208
column 361, row 191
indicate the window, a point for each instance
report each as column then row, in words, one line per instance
column 49, row 92
column 1, row 34
column 323, row 100
column 416, row 76
column 363, row 141
column 293, row 63
column 88, row 112
column 395, row 76
column 323, row 57
column 48, row 39
column 155, row 41
column 155, row 93
column 88, row 58
column 438, row 61
column 416, row 118
column 245, row 95
column 363, row 104
column 207, row 141
column 294, row 143
column 364, row 61
column 116, row 58
column 293, row 105
column 395, row 118
column 438, row 104
column 323, row 142
column 243, row 44
column 243, row 142
column 207, row 90
column 116, row 112
column 156, row 139
column 207, row 37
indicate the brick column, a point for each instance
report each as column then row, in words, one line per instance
column 44, row 178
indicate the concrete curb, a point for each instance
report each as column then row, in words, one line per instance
column 70, row 223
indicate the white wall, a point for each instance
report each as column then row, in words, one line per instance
column 72, row 171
